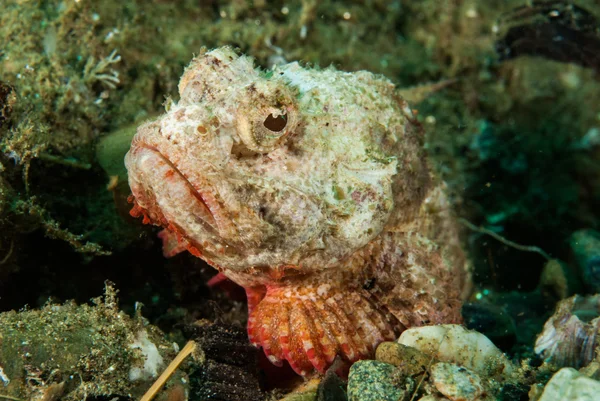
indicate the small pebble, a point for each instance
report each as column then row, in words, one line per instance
column 455, row 382
column 409, row 360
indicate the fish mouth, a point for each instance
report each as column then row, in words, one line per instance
column 171, row 200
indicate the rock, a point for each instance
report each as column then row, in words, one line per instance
column 569, row 385
column 593, row 369
column 409, row 360
column 585, row 245
column 80, row 352
column 376, row 381
column 456, row 382
column 453, row 343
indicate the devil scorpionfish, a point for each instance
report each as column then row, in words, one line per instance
column 310, row 189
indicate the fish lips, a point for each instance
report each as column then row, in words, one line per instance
column 169, row 199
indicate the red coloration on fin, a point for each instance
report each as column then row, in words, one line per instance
column 138, row 211
column 308, row 326
column 254, row 295
column 194, row 251
column 173, row 241
column 232, row 290
column 217, row 279
column 171, row 244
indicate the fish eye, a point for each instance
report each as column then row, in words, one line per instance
column 275, row 123
column 262, row 129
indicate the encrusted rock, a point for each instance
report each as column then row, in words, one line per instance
column 453, row 343
column 376, row 381
column 569, row 385
column 71, row 352
column 456, row 382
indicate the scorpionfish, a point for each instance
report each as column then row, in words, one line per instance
column 309, row 188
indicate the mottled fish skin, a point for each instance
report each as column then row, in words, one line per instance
column 310, row 188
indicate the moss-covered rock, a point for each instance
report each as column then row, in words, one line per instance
column 79, row 351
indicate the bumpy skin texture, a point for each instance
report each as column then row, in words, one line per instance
column 310, row 189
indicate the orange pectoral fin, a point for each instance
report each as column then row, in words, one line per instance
column 310, row 325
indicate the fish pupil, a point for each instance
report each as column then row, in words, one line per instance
column 275, row 123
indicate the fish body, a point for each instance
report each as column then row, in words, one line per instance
column 309, row 188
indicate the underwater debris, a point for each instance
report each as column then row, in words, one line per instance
column 53, row 230
column 572, row 334
column 187, row 350
column 558, row 30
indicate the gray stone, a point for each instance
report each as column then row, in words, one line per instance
column 375, row 381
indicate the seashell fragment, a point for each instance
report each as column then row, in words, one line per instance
column 570, row 336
